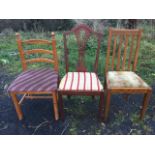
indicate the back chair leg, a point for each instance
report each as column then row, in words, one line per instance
column 126, row 97
column 107, row 105
column 93, row 97
column 55, row 105
column 145, row 104
column 61, row 106
column 101, row 105
column 69, row 97
column 17, row 106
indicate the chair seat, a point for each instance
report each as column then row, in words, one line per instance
column 80, row 81
column 125, row 79
column 35, row 80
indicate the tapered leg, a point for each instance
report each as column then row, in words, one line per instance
column 101, row 105
column 17, row 106
column 61, row 106
column 55, row 106
column 145, row 104
column 107, row 106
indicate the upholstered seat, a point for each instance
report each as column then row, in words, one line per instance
column 38, row 80
column 80, row 81
column 125, row 79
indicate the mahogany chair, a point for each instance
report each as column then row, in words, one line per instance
column 80, row 81
column 36, row 83
column 121, row 62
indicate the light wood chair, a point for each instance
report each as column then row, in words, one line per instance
column 81, row 81
column 36, row 83
column 121, row 62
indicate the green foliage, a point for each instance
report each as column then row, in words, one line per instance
column 10, row 62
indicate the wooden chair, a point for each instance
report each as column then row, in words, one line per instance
column 81, row 82
column 121, row 62
column 36, row 83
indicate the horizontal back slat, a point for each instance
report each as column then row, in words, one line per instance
column 124, row 31
column 25, row 54
column 37, row 41
column 40, row 60
column 33, row 51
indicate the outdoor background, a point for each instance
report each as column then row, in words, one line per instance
column 80, row 112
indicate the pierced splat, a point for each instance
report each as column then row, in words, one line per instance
column 82, row 34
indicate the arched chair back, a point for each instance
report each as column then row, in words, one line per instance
column 82, row 34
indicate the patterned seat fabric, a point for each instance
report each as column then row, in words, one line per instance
column 38, row 80
column 125, row 79
column 80, row 81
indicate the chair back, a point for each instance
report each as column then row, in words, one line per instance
column 82, row 34
column 36, row 51
column 122, row 50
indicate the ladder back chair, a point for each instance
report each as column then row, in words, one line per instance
column 36, row 83
column 121, row 62
column 80, row 81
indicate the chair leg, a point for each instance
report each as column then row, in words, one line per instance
column 55, row 106
column 107, row 106
column 101, row 105
column 69, row 97
column 93, row 97
column 145, row 104
column 61, row 106
column 126, row 97
column 17, row 106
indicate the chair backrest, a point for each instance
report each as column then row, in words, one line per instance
column 24, row 53
column 122, row 50
column 82, row 33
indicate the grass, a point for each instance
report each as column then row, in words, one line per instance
column 76, row 108
column 9, row 56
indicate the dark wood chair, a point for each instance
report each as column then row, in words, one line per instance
column 121, row 62
column 81, row 82
column 36, row 83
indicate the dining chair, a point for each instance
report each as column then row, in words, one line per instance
column 121, row 61
column 80, row 81
column 38, row 83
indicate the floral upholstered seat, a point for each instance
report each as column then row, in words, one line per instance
column 125, row 79
column 80, row 81
column 121, row 62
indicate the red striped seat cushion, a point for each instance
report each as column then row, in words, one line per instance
column 37, row 80
column 80, row 81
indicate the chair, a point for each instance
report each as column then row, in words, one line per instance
column 80, row 81
column 36, row 83
column 121, row 62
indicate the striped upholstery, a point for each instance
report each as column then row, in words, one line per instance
column 80, row 81
column 38, row 80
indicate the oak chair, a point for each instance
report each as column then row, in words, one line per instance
column 121, row 62
column 80, row 81
column 36, row 83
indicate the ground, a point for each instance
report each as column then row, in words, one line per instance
column 80, row 112
column 80, row 116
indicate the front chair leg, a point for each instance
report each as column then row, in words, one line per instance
column 55, row 106
column 17, row 106
column 145, row 104
column 107, row 105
